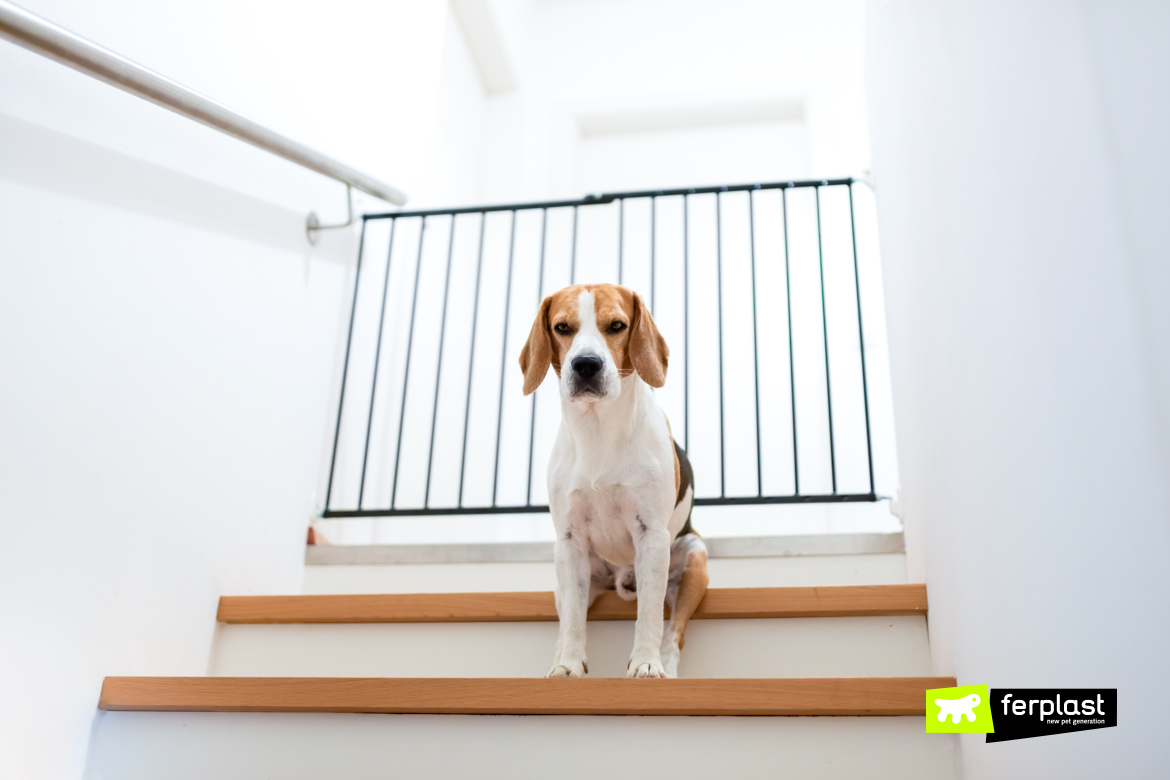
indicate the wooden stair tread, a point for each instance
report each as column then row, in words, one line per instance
column 833, row 601
column 504, row 696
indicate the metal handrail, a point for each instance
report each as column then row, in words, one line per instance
column 55, row 42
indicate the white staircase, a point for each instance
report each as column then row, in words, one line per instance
column 786, row 635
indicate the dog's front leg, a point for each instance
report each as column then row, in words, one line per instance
column 651, row 569
column 571, row 561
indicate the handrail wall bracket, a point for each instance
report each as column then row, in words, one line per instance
column 313, row 223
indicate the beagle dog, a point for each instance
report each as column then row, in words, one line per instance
column 620, row 489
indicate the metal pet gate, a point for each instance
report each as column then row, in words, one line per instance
column 756, row 286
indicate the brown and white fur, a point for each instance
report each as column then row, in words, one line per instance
column 619, row 494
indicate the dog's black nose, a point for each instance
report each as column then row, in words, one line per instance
column 586, row 366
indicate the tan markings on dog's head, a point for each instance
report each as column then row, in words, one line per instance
column 643, row 347
column 620, row 316
column 542, row 349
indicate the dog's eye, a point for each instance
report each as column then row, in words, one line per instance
column 561, row 328
column 617, row 326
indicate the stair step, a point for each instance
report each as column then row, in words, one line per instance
column 726, row 603
column 885, row 696
column 310, row 746
column 790, row 647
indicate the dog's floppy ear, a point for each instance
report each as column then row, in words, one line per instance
column 537, row 354
column 648, row 350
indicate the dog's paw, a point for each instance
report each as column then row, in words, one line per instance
column 569, row 669
column 649, row 669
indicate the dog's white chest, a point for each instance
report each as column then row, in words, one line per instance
column 608, row 500
column 611, row 475
column 608, row 519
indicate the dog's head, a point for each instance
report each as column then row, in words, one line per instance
column 602, row 334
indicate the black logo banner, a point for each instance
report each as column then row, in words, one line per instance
column 1020, row 713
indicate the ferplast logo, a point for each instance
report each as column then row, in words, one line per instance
column 1019, row 713
column 962, row 710
column 1023, row 713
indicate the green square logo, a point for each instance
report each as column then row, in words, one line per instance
column 962, row 710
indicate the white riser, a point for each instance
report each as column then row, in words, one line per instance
column 246, row 746
column 789, row 647
column 874, row 569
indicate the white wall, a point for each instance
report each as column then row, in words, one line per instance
column 168, row 340
column 687, row 59
column 460, row 121
column 1020, row 158
column 581, row 70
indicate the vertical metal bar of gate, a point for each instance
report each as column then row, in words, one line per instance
column 861, row 340
column 573, row 256
column 504, row 359
column 377, row 361
column 535, row 393
column 653, row 250
column 422, row 234
column 686, row 325
column 621, row 235
column 719, row 306
column 791, row 354
column 471, row 356
column 825, row 331
column 357, row 279
column 755, row 342
column 439, row 368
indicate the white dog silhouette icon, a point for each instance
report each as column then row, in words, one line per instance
column 957, row 708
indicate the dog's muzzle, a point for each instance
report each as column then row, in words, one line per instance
column 588, row 378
